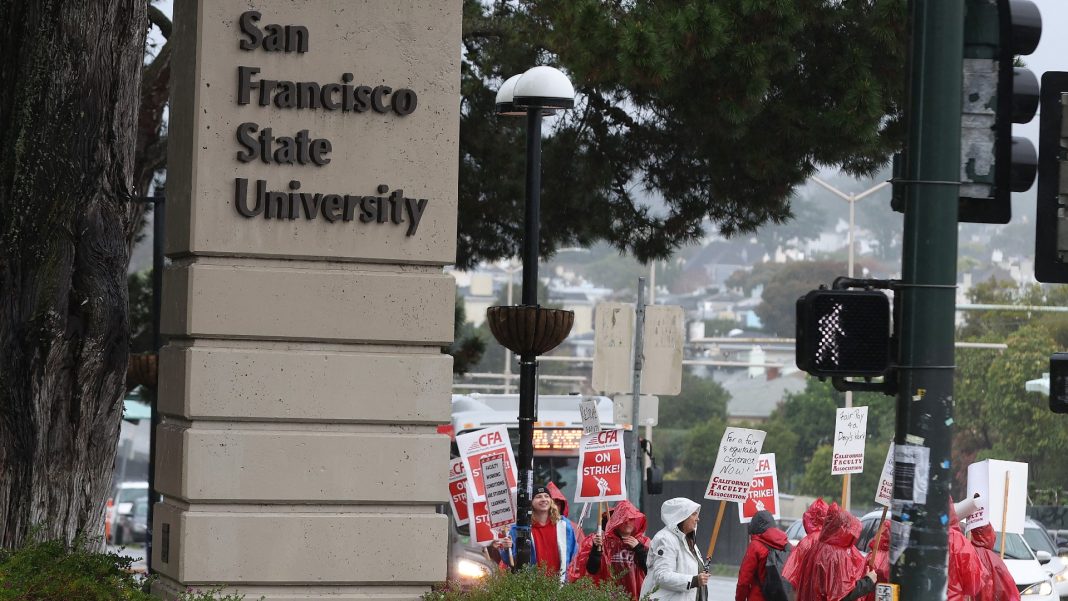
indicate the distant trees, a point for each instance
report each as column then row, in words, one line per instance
column 777, row 310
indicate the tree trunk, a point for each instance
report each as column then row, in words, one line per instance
column 69, row 90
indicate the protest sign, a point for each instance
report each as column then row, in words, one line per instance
column 885, row 493
column 988, row 479
column 912, row 468
column 601, row 468
column 850, row 432
column 736, row 461
column 763, row 492
column 458, row 491
column 500, row 498
column 481, row 533
column 591, row 422
column 487, row 442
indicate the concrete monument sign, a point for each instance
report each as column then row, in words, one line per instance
column 312, row 180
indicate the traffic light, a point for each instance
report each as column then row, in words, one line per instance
column 994, row 164
column 1058, row 383
column 842, row 333
column 1051, row 225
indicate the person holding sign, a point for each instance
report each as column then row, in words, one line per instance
column 879, row 558
column 620, row 554
column 967, row 576
column 834, row 570
column 676, row 572
column 552, row 537
column 813, row 520
column 764, row 539
column 1004, row 587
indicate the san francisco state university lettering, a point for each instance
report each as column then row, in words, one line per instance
column 303, row 149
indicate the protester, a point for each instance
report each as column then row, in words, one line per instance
column 967, row 576
column 620, row 554
column 554, row 546
column 1003, row 587
column 561, row 504
column 833, row 569
column 676, row 572
column 812, row 519
column 752, row 576
column 879, row 559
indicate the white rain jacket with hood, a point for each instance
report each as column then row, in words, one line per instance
column 673, row 562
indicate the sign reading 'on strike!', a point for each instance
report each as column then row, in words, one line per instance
column 480, row 444
column 458, row 491
column 602, row 476
column 764, row 491
column 736, row 461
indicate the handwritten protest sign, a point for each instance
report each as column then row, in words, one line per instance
column 487, row 442
column 736, row 461
column 591, row 422
column 885, row 493
column 601, row 469
column 850, row 432
column 764, row 491
column 458, row 491
column 988, row 479
column 500, row 498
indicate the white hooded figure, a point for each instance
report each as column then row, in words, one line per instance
column 676, row 572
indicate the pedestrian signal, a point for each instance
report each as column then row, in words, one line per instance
column 1058, row 383
column 1051, row 225
column 842, row 333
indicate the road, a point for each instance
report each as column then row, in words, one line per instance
column 721, row 588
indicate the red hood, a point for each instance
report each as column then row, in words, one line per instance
column 841, row 529
column 884, row 537
column 984, row 536
column 814, row 516
column 772, row 537
column 558, row 497
column 623, row 513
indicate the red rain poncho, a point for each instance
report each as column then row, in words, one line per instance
column 813, row 520
column 967, row 576
column 1003, row 587
column 618, row 561
column 879, row 559
column 833, row 566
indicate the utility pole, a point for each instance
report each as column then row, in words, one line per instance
column 926, row 295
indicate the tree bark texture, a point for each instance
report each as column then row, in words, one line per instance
column 69, row 93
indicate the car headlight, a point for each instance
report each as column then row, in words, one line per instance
column 470, row 569
column 1039, row 588
column 1061, row 576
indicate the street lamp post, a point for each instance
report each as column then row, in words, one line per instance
column 852, row 200
column 529, row 330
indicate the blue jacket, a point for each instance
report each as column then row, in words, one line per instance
column 565, row 539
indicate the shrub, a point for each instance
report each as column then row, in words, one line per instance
column 530, row 584
column 54, row 571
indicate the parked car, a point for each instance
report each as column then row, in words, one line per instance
column 132, row 525
column 126, row 495
column 1038, row 539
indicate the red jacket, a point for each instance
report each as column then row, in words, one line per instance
column 967, row 575
column 833, row 565
column 813, row 520
column 1003, row 587
column 752, row 573
column 619, row 563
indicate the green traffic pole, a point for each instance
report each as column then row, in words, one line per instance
column 927, row 295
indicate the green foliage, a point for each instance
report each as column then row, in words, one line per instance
column 214, row 594
column 530, row 584
column 778, row 307
column 468, row 345
column 699, row 449
column 818, row 480
column 688, row 111
column 53, row 571
column 140, row 290
column 701, row 399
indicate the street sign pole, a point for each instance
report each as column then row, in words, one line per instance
column 927, row 292
column 634, row 480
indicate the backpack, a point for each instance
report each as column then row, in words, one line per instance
column 775, row 587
